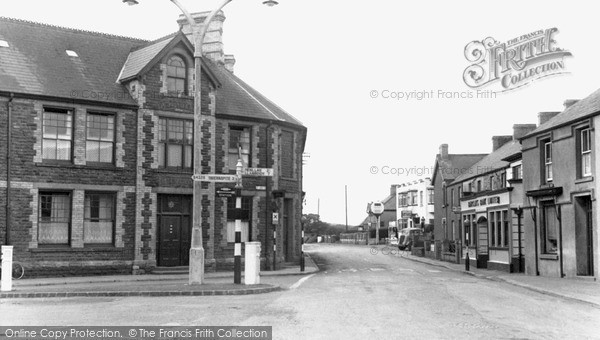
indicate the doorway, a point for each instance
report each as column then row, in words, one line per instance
column 584, row 251
column 174, row 230
column 288, row 230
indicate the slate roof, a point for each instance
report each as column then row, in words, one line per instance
column 36, row 62
column 493, row 161
column 583, row 108
column 455, row 165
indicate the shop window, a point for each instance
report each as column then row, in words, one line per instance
column 54, row 218
column 99, row 218
column 549, row 229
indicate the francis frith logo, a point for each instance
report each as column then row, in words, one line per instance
column 514, row 63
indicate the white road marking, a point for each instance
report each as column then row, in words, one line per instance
column 434, row 271
column 376, row 269
column 404, row 270
column 301, row 281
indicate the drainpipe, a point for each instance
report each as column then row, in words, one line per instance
column 268, row 197
column 8, row 165
column 560, row 235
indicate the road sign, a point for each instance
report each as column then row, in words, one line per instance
column 258, row 172
column 215, row 178
column 377, row 208
column 225, row 192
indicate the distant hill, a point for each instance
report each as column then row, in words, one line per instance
column 314, row 225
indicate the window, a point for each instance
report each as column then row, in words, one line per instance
column 239, row 140
column 413, row 198
column 503, row 179
column 54, row 217
column 549, row 229
column 469, row 230
column 478, row 185
column 452, row 197
column 176, row 75
column 100, row 138
column 505, row 231
column 175, row 143
column 470, row 187
column 517, row 172
column 245, row 218
column 421, row 198
column 492, row 224
column 547, row 158
column 99, row 218
column 430, row 196
column 585, row 152
column 57, row 134
column 492, row 182
column 499, row 229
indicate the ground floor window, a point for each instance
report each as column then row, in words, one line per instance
column 499, row 228
column 469, row 227
column 99, row 218
column 244, row 217
column 54, row 217
column 549, row 229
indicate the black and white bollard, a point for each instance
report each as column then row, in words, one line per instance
column 237, row 252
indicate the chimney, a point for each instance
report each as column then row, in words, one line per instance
column 444, row 151
column 212, row 46
column 393, row 189
column 498, row 141
column 569, row 102
column 546, row 116
column 520, row 130
column 229, row 62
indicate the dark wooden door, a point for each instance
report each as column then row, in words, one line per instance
column 170, row 241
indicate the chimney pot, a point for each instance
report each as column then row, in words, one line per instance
column 229, row 62
column 212, row 46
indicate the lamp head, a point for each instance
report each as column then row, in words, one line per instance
column 131, row 2
column 270, row 3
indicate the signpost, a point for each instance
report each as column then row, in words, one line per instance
column 377, row 209
column 215, row 178
column 258, row 172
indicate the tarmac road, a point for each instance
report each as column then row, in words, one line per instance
column 359, row 293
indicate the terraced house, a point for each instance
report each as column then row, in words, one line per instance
column 97, row 133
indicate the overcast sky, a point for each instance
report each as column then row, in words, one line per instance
column 321, row 60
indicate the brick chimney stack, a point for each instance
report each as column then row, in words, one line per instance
column 543, row 117
column 498, row 141
column 444, row 151
column 569, row 102
column 520, row 130
column 213, row 41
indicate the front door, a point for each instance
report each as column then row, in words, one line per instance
column 170, row 241
column 174, row 230
column 584, row 236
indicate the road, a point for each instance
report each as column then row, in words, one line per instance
column 357, row 295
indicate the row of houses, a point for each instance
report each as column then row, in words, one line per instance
column 528, row 206
column 97, row 150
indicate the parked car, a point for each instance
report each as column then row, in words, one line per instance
column 408, row 237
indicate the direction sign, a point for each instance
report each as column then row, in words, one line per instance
column 215, row 178
column 226, row 192
column 377, row 208
column 258, row 172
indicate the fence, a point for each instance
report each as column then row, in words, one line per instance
column 354, row 238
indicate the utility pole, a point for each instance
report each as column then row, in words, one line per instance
column 346, row 200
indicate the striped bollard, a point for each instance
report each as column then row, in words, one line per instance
column 237, row 251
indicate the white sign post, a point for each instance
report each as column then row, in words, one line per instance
column 377, row 209
column 7, row 262
column 215, row 178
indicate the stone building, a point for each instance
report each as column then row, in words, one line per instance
column 97, row 134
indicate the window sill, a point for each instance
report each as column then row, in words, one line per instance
column 498, row 248
column 175, row 171
column 517, row 180
column 52, row 249
column 550, row 257
column 584, row 180
column 91, row 166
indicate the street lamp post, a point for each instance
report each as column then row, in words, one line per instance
column 196, row 271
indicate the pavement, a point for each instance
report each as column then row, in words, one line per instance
column 218, row 283
column 576, row 289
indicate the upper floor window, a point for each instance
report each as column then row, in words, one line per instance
column 239, row 145
column 585, row 152
column 430, row 196
column 517, row 172
column 176, row 75
column 492, row 183
column 403, row 200
column 57, row 126
column 100, row 137
column 547, row 159
column 420, row 198
column 478, row 185
column 175, row 143
column 452, row 197
column 413, row 198
column 503, row 179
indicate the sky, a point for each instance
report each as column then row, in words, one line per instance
column 340, row 67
